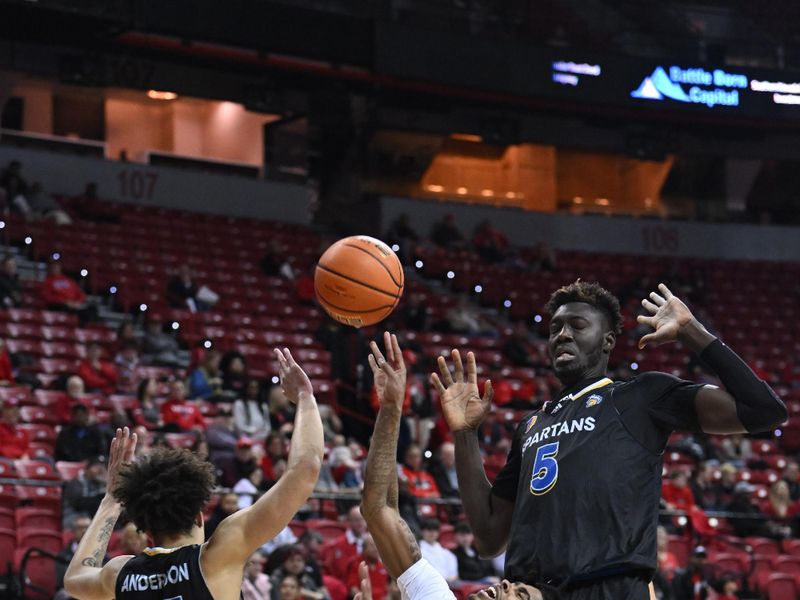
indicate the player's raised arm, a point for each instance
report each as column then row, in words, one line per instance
column 747, row 403
column 464, row 410
column 238, row 536
column 86, row 577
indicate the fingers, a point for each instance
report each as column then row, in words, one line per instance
column 459, row 368
column 665, row 290
column 472, row 370
column 447, row 379
column 659, row 300
column 644, row 320
column 650, row 306
column 281, row 359
column 650, row 338
column 387, row 343
column 366, row 583
column 372, row 364
column 437, row 384
column 376, row 352
column 488, row 392
column 289, row 358
column 399, row 361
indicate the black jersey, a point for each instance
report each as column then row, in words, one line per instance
column 585, row 476
column 163, row 573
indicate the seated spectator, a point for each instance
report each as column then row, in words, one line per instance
column 518, row 347
column 147, row 411
column 444, row 471
column 791, row 475
column 304, row 289
column 78, row 528
column 780, row 507
column 127, row 364
column 158, row 347
column 61, row 292
column 702, row 486
column 440, row 557
column 233, row 369
column 43, row 205
column 90, row 207
column 347, row 546
column 281, row 411
column 415, row 313
column 695, row 581
column 724, row 486
column 222, row 437
column 205, row 381
column 285, row 538
column 463, row 318
column 10, row 287
column 79, row 440
column 445, row 234
column 289, row 588
column 490, row 243
column 227, row 505
column 179, row 415
column 255, row 583
column 729, row 588
column 275, row 446
column 311, row 541
column 345, row 467
column 250, row 415
column 238, row 466
column 6, row 370
column 131, row 541
column 331, row 423
column 274, row 264
column 471, row 567
column 744, row 504
column 420, row 483
column 183, row 292
column 127, row 334
column 378, row 576
column 84, row 493
column 73, row 394
column 98, row 374
column 667, row 561
column 311, row 587
column 735, row 449
column 14, row 441
column 14, row 187
column 676, row 492
column 249, row 488
column 544, row 259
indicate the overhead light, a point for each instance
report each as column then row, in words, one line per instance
column 577, row 200
column 466, row 137
column 487, row 192
column 435, row 188
column 161, row 95
column 602, row 201
column 462, row 190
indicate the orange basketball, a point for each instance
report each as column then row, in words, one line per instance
column 359, row 281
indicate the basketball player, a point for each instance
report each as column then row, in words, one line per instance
column 577, row 502
column 398, row 548
column 164, row 494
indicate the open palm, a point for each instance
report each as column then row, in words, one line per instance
column 389, row 373
column 294, row 380
column 668, row 316
column 462, row 405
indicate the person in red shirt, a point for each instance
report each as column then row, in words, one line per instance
column 179, row 415
column 98, row 375
column 72, row 396
column 61, row 292
column 421, row 484
column 676, row 491
column 378, row 576
column 341, row 550
column 14, row 442
column 6, row 373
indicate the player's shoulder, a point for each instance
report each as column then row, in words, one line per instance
column 648, row 382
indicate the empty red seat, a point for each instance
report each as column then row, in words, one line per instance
column 7, row 519
column 39, row 495
column 780, row 586
column 69, row 470
column 40, row 518
column 39, row 574
column 327, row 528
column 36, row 469
column 44, row 539
column 8, row 544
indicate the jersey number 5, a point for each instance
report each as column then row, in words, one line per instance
column 545, row 469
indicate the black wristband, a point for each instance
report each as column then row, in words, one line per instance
column 758, row 407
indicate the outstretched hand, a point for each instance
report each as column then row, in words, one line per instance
column 462, row 405
column 294, row 381
column 365, row 587
column 669, row 316
column 389, row 373
column 123, row 447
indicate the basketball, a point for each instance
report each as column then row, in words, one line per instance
column 359, row 281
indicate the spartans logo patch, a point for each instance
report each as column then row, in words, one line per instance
column 531, row 423
column 594, row 400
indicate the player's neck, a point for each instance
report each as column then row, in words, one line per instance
column 176, row 541
column 596, row 372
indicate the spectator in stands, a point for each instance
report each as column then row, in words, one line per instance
column 471, row 567
column 250, row 415
column 676, row 492
column 444, row 471
column 290, row 588
column 79, row 526
column 275, row 446
column 346, row 468
column 84, row 493
column 285, row 538
column 160, row 348
column 147, row 412
column 127, row 364
column 518, row 347
column 13, row 186
column 378, row 576
column 256, row 584
column 74, row 393
column 420, row 483
column 179, row 415
column 10, row 287
column 440, row 557
column 445, row 234
column 347, row 546
column 79, row 440
column 6, row 369
column 221, row 436
column 415, row 313
column 751, row 525
column 311, row 542
column 274, row 263
column 463, row 318
column 127, row 334
column 281, row 411
column 667, row 561
column 702, row 486
column 233, row 368
column 61, row 292
column 98, row 374
column 544, row 259
column 131, row 541
column 311, row 587
column 227, row 505
column 490, row 243
column 249, row 488
column 401, row 233
column 724, row 486
column 240, row 465
column 791, row 475
column 736, row 449
column 14, row 441
column 183, row 292
column 729, row 588
column 43, row 205
column 780, row 507
column 304, row 290
column 205, row 381
column 695, row 581
column 89, row 206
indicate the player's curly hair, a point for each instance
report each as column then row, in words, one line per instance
column 590, row 293
column 163, row 492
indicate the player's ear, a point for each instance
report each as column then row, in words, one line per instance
column 609, row 341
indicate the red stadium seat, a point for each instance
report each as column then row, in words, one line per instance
column 40, row 495
column 328, row 529
column 763, row 546
column 44, row 539
column 40, row 574
column 8, row 543
column 787, row 564
column 8, row 496
column 69, row 470
column 38, row 518
column 36, row 469
column 7, row 520
column 780, row 586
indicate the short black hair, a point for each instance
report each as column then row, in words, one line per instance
column 430, row 525
column 463, row 527
column 164, row 491
column 590, row 293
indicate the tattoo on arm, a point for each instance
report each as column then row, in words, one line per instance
column 416, row 554
column 89, row 562
column 102, row 544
